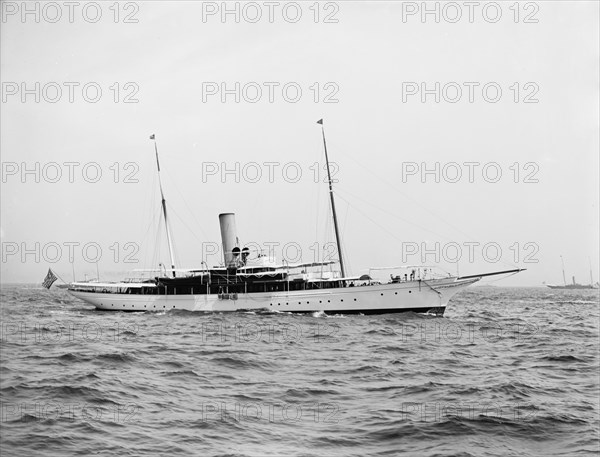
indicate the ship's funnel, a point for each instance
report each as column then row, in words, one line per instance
column 229, row 239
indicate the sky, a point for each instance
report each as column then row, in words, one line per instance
column 462, row 138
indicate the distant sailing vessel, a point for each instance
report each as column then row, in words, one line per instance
column 261, row 284
column 574, row 284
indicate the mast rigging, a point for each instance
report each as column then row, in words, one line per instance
column 164, row 207
column 335, row 222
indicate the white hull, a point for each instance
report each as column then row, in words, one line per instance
column 417, row 296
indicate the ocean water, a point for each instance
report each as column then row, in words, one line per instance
column 506, row 371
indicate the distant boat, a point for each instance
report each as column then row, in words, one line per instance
column 574, row 284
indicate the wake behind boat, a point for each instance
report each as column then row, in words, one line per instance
column 261, row 284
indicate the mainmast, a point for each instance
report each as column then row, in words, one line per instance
column 164, row 207
column 335, row 222
column 563, row 270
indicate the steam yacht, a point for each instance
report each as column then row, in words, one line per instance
column 261, row 284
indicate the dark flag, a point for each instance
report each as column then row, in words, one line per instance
column 151, row 137
column 320, row 121
column 49, row 280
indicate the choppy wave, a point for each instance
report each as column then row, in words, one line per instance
column 504, row 372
